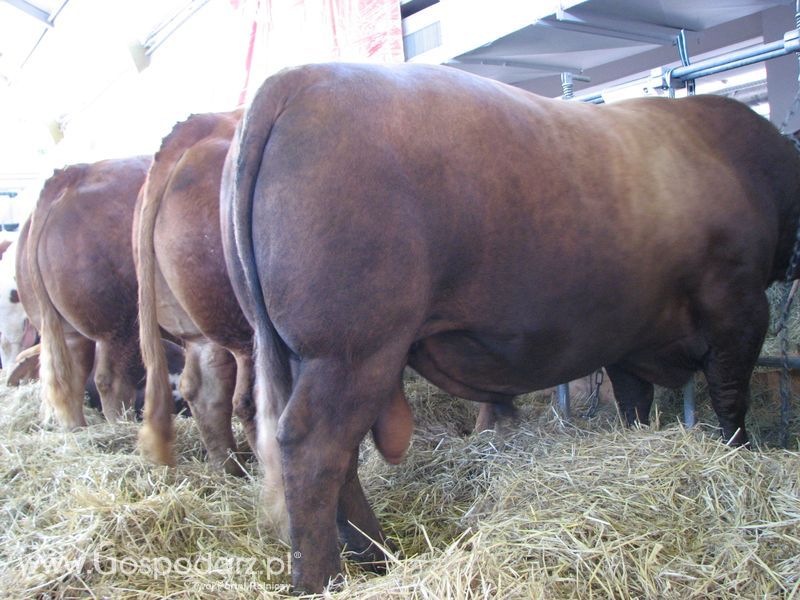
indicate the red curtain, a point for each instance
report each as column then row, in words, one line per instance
column 290, row 32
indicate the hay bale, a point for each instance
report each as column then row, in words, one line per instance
column 551, row 510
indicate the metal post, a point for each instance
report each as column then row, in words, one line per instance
column 563, row 400
column 683, row 52
column 688, row 403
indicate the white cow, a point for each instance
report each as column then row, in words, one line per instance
column 13, row 321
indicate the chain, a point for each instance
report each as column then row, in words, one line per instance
column 785, row 382
column 790, row 112
column 594, row 397
column 791, row 273
column 783, row 323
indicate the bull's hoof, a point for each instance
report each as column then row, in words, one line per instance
column 232, row 466
column 307, row 580
column 735, row 437
column 371, row 559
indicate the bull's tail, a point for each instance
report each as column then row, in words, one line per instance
column 156, row 435
column 62, row 395
column 273, row 375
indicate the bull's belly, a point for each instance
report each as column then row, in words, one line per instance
column 479, row 367
column 172, row 318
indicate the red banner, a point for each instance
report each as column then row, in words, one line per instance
column 291, row 32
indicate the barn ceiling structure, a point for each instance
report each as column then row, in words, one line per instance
column 609, row 47
column 603, row 43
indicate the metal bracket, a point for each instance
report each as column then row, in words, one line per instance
column 567, row 79
column 33, row 10
column 659, row 80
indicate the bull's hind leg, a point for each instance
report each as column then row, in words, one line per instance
column 634, row 395
column 735, row 333
column 117, row 370
column 331, row 409
column 207, row 384
column 359, row 530
column 493, row 416
column 64, row 400
column 243, row 401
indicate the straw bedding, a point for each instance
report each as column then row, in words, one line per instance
column 545, row 509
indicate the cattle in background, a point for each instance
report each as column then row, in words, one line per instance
column 26, row 369
column 16, row 332
column 184, row 289
column 495, row 241
column 584, row 390
column 77, row 283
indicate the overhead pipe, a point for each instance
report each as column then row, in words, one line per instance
column 789, row 44
column 683, row 52
column 591, row 99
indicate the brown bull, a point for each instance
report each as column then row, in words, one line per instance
column 495, row 241
column 184, row 288
column 77, row 283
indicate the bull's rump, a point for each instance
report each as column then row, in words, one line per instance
column 85, row 255
column 519, row 241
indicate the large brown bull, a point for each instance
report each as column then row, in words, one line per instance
column 77, row 283
column 184, row 288
column 495, row 241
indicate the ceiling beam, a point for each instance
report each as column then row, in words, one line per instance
column 34, row 11
column 635, row 31
column 518, row 64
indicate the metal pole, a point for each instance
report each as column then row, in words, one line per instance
column 683, row 52
column 739, row 63
column 777, row 362
column 563, row 400
column 758, row 53
column 591, row 99
column 688, row 403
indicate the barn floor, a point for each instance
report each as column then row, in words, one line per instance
column 552, row 510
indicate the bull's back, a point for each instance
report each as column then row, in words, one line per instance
column 440, row 202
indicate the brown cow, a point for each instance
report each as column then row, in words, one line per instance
column 77, row 283
column 498, row 243
column 184, row 288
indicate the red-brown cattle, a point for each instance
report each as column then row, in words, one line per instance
column 77, row 283
column 184, row 288
column 495, row 241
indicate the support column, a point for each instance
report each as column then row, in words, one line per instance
column 781, row 71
